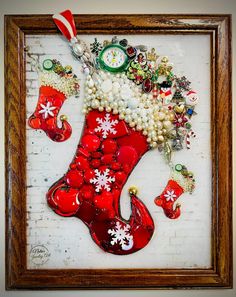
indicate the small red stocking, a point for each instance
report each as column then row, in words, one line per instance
column 175, row 187
column 57, row 84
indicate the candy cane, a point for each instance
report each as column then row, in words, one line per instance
column 189, row 134
column 155, row 92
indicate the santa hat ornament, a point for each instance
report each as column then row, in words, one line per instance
column 66, row 24
column 56, row 84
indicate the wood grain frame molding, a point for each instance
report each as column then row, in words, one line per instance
column 218, row 27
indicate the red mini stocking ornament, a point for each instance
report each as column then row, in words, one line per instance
column 57, row 83
column 181, row 181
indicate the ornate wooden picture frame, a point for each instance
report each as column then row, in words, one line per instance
column 18, row 275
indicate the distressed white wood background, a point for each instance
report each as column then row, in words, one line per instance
column 184, row 242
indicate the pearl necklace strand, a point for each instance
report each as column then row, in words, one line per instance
column 117, row 94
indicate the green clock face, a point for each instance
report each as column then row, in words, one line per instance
column 113, row 58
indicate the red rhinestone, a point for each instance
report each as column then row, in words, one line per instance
column 74, row 178
column 147, row 85
column 120, row 177
column 95, row 163
column 107, row 159
column 83, row 152
column 96, row 155
column 89, row 174
column 66, row 200
column 136, row 140
column 127, row 155
column 90, row 142
column 115, row 166
column 87, row 192
column 82, row 163
column 109, row 146
column 73, row 166
column 104, row 200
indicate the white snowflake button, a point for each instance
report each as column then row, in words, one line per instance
column 47, row 110
column 121, row 235
column 106, row 125
column 102, row 180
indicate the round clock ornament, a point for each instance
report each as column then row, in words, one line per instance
column 113, row 58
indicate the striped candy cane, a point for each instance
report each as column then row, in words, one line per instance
column 188, row 135
column 155, row 92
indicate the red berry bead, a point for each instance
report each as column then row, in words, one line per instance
column 109, row 146
column 115, row 166
column 74, row 178
column 107, row 159
column 120, row 177
column 96, row 155
column 95, row 163
column 89, row 174
column 89, row 131
column 73, row 166
column 82, row 163
column 87, row 192
column 126, row 168
column 83, row 152
column 105, row 200
column 127, row 155
column 66, row 201
column 90, row 142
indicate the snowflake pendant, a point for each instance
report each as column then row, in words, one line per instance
column 106, row 126
column 121, row 235
column 102, row 180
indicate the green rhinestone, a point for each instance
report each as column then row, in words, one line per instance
column 47, row 64
column 178, row 167
column 188, row 125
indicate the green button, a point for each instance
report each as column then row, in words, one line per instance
column 178, row 167
column 47, row 64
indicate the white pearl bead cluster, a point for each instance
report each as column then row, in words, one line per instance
column 64, row 84
column 187, row 184
column 117, row 94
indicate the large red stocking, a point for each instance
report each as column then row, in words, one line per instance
column 90, row 190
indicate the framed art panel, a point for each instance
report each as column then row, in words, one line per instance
column 45, row 250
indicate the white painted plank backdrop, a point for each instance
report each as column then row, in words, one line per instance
column 184, row 242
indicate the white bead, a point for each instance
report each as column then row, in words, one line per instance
column 121, row 116
column 95, row 103
column 167, row 124
column 126, row 92
column 159, row 125
column 128, row 111
column 145, row 132
column 106, row 86
column 128, row 118
column 133, row 103
column 90, row 83
column 161, row 115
